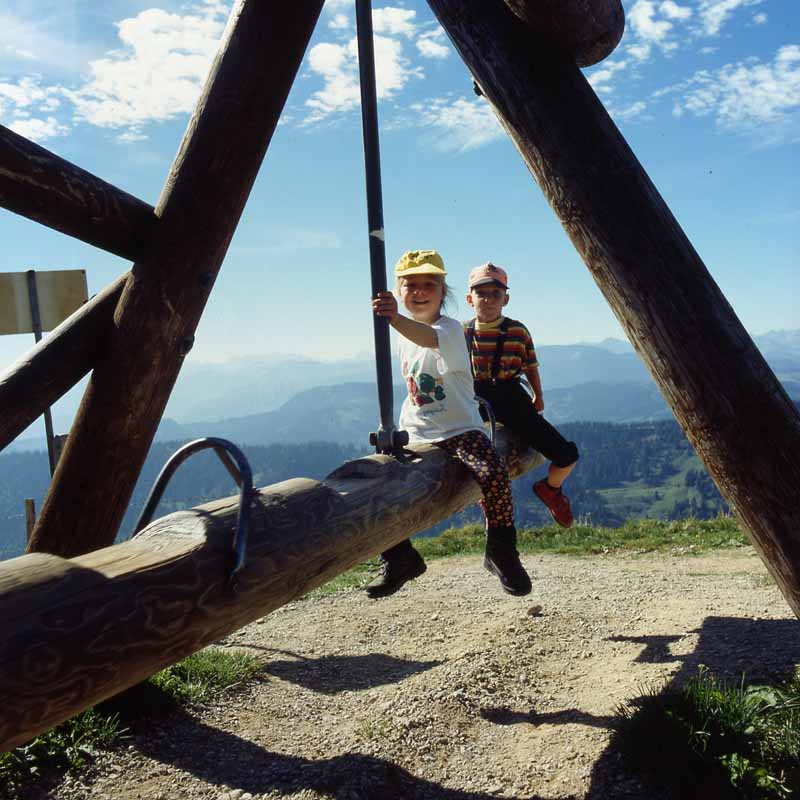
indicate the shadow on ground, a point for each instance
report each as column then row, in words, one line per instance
column 225, row 760
column 335, row 674
column 730, row 647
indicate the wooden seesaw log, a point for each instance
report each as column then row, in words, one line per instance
column 76, row 631
column 586, row 30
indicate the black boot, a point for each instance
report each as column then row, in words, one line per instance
column 502, row 559
column 401, row 564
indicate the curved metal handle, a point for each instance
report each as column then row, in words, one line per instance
column 492, row 420
column 237, row 465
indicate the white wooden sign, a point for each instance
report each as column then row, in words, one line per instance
column 60, row 292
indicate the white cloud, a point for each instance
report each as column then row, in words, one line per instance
column 394, row 21
column 674, row 11
column 24, row 93
column 158, row 74
column 760, row 19
column 131, row 136
column 715, row 13
column 39, row 130
column 333, row 6
column 340, row 22
column 21, row 104
column 644, row 23
column 338, row 67
column 431, row 44
column 460, row 125
column 707, row 51
column 652, row 25
column 600, row 79
column 751, row 96
column 629, row 112
column 640, row 51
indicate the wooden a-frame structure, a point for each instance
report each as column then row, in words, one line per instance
column 168, row 591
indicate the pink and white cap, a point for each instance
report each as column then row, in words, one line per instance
column 488, row 273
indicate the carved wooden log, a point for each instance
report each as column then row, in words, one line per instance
column 42, row 186
column 586, row 30
column 57, row 363
column 75, row 632
column 735, row 412
column 159, row 310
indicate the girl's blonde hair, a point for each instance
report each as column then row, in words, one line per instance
column 448, row 296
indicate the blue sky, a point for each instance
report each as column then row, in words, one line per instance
column 707, row 92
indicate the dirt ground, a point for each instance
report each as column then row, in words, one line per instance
column 451, row 689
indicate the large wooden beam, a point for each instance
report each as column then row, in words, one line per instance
column 51, row 368
column 736, row 414
column 44, row 187
column 161, row 305
column 585, row 30
column 75, row 632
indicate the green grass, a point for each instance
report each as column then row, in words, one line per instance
column 66, row 748
column 682, row 537
column 713, row 738
column 69, row 747
column 204, row 673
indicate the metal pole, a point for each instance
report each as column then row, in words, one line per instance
column 386, row 440
column 33, row 297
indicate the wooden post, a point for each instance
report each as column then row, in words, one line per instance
column 43, row 187
column 736, row 414
column 30, row 517
column 160, row 307
column 77, row 631
column 59, row 441
column 585, row 30
column 57, row 363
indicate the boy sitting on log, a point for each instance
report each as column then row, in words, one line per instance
column 501, row 351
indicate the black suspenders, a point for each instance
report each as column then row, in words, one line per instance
column 498, row 353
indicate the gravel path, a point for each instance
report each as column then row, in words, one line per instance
column 451, row 689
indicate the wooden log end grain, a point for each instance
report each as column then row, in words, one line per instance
column 588, row 30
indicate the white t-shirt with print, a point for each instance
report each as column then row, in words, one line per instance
column 441, row 398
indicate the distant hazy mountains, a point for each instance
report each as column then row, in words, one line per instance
column 251, row 386
column 243, row 387
column 293, row 399
column 603, row 382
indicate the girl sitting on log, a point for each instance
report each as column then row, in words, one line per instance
column 441, row 409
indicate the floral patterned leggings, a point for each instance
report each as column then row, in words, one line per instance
column 474, row 450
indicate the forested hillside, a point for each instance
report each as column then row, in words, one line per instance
column 198, row 480
column 634, row 470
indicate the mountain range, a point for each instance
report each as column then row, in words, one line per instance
column 285, row 398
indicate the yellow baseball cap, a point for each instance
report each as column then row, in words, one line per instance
column 419, row 262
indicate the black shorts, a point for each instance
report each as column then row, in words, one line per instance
column 512, row 407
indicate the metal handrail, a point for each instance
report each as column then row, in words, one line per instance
column 237, row 465
column 490, row 412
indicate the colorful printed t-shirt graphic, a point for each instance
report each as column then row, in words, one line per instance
column 441, row 398
column 422, row 388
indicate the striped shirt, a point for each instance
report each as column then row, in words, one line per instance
column 518, row 350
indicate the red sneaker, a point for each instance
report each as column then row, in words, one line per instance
column 556, row 502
